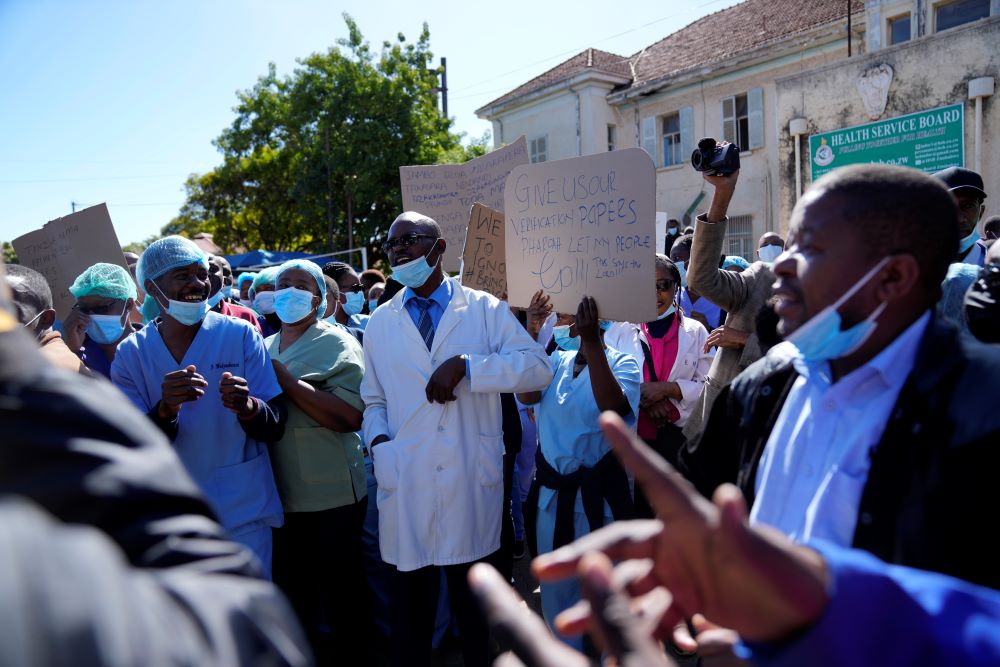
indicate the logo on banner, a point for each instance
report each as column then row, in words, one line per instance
column 824, row 154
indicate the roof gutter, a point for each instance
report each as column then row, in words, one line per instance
column 490, row 111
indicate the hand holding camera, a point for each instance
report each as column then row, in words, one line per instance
column 719, row 163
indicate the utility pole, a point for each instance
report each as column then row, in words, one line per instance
column 72, row 205
column 444, row 86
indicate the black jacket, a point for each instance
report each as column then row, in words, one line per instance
column 929, row 497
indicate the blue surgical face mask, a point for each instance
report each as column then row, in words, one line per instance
column 769, row 253
column 566, row 342
column 672, row 231
column 106, row 329
column 684, row 273
column 246, row 303
column 667, row 313
column 355, row 303
column 263, row 303
column 821, row 338
column 968, row 241
column 214, row 300
column 414, row 274
column 234, row 293
column 372, row 305
column 293, row 305
column 187, row 313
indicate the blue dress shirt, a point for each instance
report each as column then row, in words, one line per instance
column 439, row 300
column 816, row 460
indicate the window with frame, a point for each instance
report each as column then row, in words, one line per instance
column 612, row 137
column 538, row 149
column 739, row 237
column 743, row 119
column 672, row 140
column 959, row 12
column 736, row 121
column 898, row 29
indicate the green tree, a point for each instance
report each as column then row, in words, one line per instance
column 9, row 255
column 139, row 246
column 311, row 161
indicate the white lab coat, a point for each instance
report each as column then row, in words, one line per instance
column 690, row 367
column 440, row 491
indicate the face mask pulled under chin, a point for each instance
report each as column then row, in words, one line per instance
column 185, row 312
column 821, row 338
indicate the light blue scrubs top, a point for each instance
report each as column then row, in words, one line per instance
column 567, row 416
column 232, row 469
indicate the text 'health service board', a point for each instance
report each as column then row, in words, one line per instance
column 445, row 192
column 584, row 226
column 929, row 140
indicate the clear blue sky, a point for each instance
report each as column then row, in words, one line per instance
column 119, row 101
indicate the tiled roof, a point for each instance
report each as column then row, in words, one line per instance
column 729, row 32
column 711, row 39
column 592, row 59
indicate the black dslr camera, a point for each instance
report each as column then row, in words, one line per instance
column 715, row 160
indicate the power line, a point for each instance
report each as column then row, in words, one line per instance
column 574, row 51
column 95, row 178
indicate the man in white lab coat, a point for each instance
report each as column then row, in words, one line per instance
column 436, row 358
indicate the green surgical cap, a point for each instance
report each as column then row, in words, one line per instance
column 107, row 280
column 268, row 276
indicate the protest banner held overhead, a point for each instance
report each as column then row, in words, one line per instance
column 445, row 192
column 584, row 226
column 65, row 247
column 484, row 261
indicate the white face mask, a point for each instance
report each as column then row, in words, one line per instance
column 769, row 253
column 264, row 303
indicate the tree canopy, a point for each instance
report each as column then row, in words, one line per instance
column 311, row 161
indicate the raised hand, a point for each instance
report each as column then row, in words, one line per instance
column 180, row 387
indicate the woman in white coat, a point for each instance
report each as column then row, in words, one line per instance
column 671, row 350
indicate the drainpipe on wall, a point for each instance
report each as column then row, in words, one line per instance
column 579, row 145
column 978, row 89
column 797, row 127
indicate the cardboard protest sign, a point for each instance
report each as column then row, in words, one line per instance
column 65, row 247
column 584, row 226
column 484, row 261
column 445, row 192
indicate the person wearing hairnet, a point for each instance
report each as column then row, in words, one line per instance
column 206, row 381
column 243, row 283
column 319, row 468
column 99, row 320
column 262, row 297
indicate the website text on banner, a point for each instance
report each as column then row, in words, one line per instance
column 484, row 262
column 65, row 247
column 445, row 192
column 584, row 226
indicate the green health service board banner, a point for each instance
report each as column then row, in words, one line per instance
column 927, row 140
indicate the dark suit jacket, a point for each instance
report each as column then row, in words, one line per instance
column 929, row 497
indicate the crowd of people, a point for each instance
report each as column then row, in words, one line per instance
column 794, row 446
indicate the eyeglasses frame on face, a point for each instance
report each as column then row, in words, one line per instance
column 355, row 288
column 671, row 285
column 405, row 241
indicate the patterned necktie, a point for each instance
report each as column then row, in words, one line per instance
column 424, row 324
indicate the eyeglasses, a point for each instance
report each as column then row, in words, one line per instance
column 356, row 287
column 664, row 285
column 404, row 241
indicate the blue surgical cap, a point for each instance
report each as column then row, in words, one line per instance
column 245, row 278
column 313, row 270
column 107, row 280
column 266, row 277
column 168, row 253
column 734, row 261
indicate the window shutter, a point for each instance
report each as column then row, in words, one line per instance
column 687, row 132
column 649, row 136
column 729, row 119
column 755, row 117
